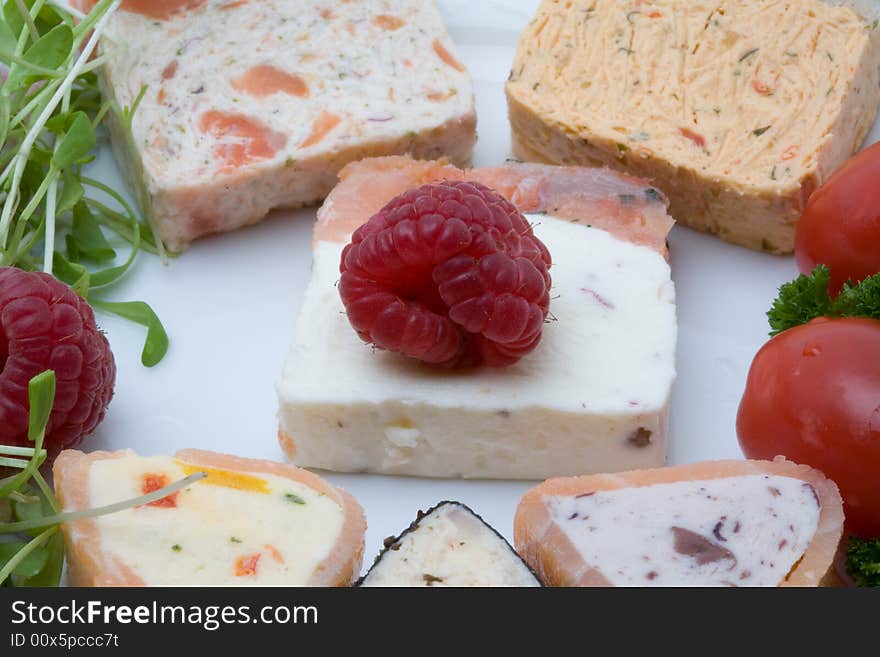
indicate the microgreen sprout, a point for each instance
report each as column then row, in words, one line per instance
column 53, row 217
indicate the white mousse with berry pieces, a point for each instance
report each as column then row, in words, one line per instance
column 453, row 354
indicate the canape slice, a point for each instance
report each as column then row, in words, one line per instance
column 248, row 523
column 718, row 523
column 449, row 545
column 249, row 106
column 592, row 397
column 736, row 110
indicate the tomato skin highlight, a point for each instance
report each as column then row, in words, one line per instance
column 840, row 227
column 813, row 396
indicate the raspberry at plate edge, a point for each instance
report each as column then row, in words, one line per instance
column 45, row 325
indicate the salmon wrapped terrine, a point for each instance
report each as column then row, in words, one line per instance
column 737, row 111
column 247, row 523
column 254, row 105
column 592, row 397
column 721, row 523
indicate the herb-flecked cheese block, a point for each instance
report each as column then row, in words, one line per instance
column 737, row 111
column 255, row 105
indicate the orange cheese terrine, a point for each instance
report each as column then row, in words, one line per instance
column 592, row 396
column 250, row 106
column 737, row 111
column 247, row 523
column 718, row 523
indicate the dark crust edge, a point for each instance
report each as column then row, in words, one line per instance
column 414, row 525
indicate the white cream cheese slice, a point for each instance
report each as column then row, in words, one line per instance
column 736, row 531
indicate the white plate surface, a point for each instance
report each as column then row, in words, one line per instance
column 229, row 304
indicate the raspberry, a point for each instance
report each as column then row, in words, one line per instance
column 45, row 325
column 450, row 274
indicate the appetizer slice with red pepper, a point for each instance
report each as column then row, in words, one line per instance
column 245, row 523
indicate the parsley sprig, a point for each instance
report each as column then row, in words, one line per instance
column 863, row 561
column 807, row 297
column 31, row 546
column 53, row 217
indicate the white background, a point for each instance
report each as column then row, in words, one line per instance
column 229, row 304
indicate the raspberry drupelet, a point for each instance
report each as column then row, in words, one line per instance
column 449, row 273
column 45, row 325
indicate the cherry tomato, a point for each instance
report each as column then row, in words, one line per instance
column 813, row 396
column 840, row 226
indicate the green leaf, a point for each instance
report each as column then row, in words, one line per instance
column 58, row 124
column 49, row 52
column 12, row 17
column 4, row 116
column 74, row 274
column 86, row 237
column 31, row 509
column 77, row 143
column 27, row 510
column 50, row 574
column 52, row 49
column 8, row 40
column 71, row 192
column 863, row 561
column 156, row 344
column 30, row 566
column 803, row 299
column 41, row 396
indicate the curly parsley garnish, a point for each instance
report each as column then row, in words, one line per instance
column 863, row 561
column 807, row 298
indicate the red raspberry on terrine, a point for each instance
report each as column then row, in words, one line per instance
column 449, row 273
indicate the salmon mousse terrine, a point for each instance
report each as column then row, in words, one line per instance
column 722, row 523
column 523, row 380
column 736, row 111
column 247, row 523
column 250, row 106
column 449, row 545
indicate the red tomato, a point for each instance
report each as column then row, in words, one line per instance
column 840, row 227
column 813, row 395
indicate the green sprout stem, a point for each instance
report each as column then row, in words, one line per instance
column 40, row 123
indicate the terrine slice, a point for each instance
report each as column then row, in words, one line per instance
column 449, row 545
column 250, row 106
column 717, row 523
column 592, row 397
column 736, row 111
column 247, row 523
